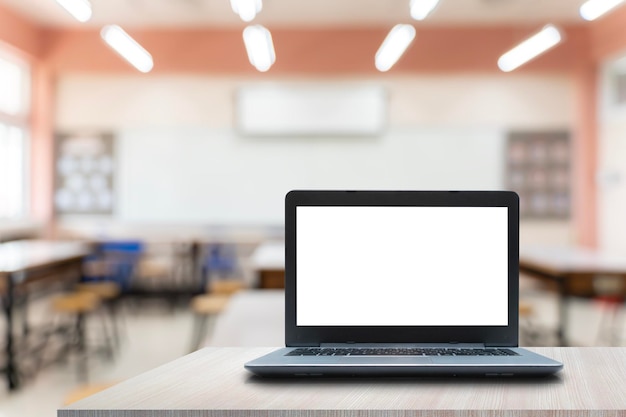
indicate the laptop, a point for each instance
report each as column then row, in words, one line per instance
column 401, row 283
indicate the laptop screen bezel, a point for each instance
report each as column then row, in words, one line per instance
column 316, row 335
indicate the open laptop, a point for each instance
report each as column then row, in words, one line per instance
column 401, row 283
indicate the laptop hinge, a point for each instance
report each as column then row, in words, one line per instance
column 426, row 345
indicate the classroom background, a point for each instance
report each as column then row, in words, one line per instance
column 141, row 197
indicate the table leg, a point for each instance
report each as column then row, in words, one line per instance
column 24, row 311
column 563, row 302
column 10, row 367
column 196, row 266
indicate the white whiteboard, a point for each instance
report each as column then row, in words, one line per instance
column 217, row 177
column 311, row 109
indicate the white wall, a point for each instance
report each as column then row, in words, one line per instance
column 181, row 160
column 206, row 175
column 120, row 102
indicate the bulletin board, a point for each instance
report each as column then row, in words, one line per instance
column 84, row 173
column 538, row 169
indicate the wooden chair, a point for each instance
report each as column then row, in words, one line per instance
column 225, row 286
column 531, row 333
column 78, row 305
column 205, row 308
column 106, row 290
column 526, row 325
column 525, row 309
column 109, row 292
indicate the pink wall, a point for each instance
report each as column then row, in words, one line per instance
column 312, row 52
column 608, row 35
column 19, row 32
column 42, row 149
column 585, row 157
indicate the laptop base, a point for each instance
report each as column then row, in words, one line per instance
column 526, row 363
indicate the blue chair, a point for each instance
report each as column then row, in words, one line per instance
column 219, row 260
column 118, row 261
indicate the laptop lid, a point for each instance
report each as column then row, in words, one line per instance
column 401, row 267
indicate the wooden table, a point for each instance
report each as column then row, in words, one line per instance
column 26, row 262
column 573, row 270
column 268, row 260
column 212, row 382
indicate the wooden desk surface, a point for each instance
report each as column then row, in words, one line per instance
column 212, row 382
column 22, row 255
column 269, row 256
column 572, row 260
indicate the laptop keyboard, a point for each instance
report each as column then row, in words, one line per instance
column 400, row 352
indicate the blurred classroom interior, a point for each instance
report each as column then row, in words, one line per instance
column 141, row 210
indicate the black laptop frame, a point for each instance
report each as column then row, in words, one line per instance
column 506, row 336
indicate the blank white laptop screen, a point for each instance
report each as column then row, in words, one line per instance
column 401, row 266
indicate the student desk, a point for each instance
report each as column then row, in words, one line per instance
column 573, row 270
column 212, row 382
column 268, row 260
column 23, row 263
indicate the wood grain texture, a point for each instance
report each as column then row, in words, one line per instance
column 212, row 382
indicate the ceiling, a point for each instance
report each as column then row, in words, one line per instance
column 310, row 13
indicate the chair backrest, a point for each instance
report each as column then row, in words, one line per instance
column 123, row 246
column 119, row 259
column 221, row 258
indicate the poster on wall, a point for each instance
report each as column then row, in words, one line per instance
column 538, row 169
column 84, row 173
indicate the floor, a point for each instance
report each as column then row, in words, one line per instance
column 154, row 333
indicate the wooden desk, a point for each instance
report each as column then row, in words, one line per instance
column 573, row 270
column 26, row 262
column 212, row 382
column 268, row 260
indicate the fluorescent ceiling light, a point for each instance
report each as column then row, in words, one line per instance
column 394, row 45
column 127, row 47
column 246, row 9
column 593, row 9
column 80, row 9
column 259, row 46
column 537, row 44
column 422, row 8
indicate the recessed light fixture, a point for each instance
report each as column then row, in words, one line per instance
column 422, row 8
column 394, row 45
column 127, row 47
column 259, row 46
column 246, row 9
column 537, row 44
column 80, row 9
column 593, row 9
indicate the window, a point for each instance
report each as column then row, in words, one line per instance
column 14, row 115
column 13, row 85
column 12, row 161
